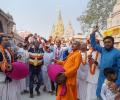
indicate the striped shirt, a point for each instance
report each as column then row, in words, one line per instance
column 36, row 56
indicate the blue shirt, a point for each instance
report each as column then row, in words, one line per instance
column 108, row 59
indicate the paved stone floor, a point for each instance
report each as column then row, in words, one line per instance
column 43, row 96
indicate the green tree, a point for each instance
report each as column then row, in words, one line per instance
column 97, row 11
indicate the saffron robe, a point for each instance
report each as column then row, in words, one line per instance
column 70, row 65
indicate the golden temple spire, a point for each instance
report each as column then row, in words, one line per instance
column 59, row 26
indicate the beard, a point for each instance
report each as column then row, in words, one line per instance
column 109, row 49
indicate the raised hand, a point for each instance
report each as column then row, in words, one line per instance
column 54, row 60
column 95, row 29
column 61, row 78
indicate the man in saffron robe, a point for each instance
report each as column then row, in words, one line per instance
column 110, row 57
column 70, row 65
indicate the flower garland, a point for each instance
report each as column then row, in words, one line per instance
column 84, row 61
column 4, row 63
column 92, row 61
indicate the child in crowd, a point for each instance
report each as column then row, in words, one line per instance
column 106, row 93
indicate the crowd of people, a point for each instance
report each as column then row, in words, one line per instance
column 91, row 72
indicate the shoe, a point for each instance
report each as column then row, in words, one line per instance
column 53, row 93
column 26, row 91
column 22, row 93
column 44, row 89
column 38, row 92
column 31, row 96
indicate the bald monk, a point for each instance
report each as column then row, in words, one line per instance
column 70, row 65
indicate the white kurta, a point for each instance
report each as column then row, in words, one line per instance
column 47, row 60
column 25, row 55
column 58, row 52
column 10, row 90
column 92, row 82
column 2, row 79
column 27, row 62
column 81, row 78
column 106, row 93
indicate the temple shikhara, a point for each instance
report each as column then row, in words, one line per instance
column 114, row 18
column 59, row 29
column 69, row 31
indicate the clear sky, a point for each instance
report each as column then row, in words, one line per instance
column 40, row 15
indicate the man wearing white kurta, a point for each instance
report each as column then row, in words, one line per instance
column 8, row 85
column 82, row 80
column 21, row 52
column 47, row 59
column 92, row 81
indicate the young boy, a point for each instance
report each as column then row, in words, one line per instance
column 111, row 77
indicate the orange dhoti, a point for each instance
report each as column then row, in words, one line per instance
column 71, row 93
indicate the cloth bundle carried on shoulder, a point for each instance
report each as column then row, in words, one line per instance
column 53, row 71
column 19, row 71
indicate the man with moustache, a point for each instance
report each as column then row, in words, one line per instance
column 110, row 57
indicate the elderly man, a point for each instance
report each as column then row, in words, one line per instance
column 7, row 84
column 70, row 65
column 110, row 57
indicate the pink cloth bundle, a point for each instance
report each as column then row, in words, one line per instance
column 20, row 71
column 53, row 71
